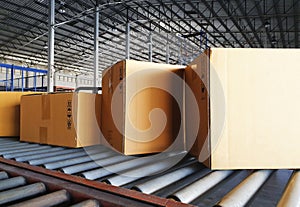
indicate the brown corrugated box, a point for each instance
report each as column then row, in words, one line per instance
column 10, row 113
column 54, row 119
column 250, row 105
column 130, row 84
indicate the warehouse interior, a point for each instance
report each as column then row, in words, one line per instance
column 53, row 49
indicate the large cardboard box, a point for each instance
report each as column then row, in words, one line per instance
column 10, row 113
column 63, row 119
column 140, row 113
column 249, row 108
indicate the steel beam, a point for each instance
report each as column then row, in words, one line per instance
column 96, row 48
column 51, row 22
column 276, row 7
column 127, row 40
column 296, row 23
column 168, row 53
column 261, row 14
column 150, row 47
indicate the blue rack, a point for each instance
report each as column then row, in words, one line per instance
column 9, row 83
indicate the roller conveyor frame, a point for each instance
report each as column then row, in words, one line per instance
column 206, row 187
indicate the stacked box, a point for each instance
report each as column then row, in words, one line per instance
column 10, row 113
column 62, row 119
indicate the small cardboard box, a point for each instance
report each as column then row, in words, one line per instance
column 248, row 102
column 34, row 121
column 10, row 113
column 139, row 113
column 62, row 119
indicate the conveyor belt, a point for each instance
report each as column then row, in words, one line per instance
column 188, row 181
column 17, row 192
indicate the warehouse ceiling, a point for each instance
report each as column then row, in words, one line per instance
column 186, row 26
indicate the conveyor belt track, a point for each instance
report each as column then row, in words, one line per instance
column 188, row 181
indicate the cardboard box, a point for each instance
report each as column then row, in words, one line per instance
column 250, row 105
column 63, row 119
column 139, row 116
column 34, row 122
column 10, row 113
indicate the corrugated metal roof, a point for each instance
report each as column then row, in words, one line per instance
column 266, row 23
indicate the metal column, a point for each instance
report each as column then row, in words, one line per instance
column 26, row 80
column 76, row 81
column 96, row 48
column 51, row 22
column 127, row 40
column 168, row 54
column 150, row 47
column 179, row 50
column 54, row 78
column 6, row 82
column 22, row 79
column 34, row 82
column 12, row 78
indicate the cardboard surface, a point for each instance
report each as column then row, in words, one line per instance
column 10, row 113
column 145, row 117
column 34, row 123
column 63, row 119
column 254, row 108
column 197, row 114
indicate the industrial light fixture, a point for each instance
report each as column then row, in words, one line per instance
column 45, row 45
column 273, row 41
column 267, row 25
column 177, row 34
column 62, row 8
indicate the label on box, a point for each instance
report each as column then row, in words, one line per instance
column 69, row 114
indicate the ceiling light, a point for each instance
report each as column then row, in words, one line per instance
column 62, row 8
column 178, row 34
column 267, row 25
column 273, row 41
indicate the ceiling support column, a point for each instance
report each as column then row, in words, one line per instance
column 150, row 47
column 127, row 40
column 96, row 48
column 51, row 22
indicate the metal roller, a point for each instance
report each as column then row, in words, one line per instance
column 14, row 146
column 43, row 155
column 165, row 180
column 21, row 192
column 56, row 158
column 291, row 195
column 39, row 151
column 7, row 144
column 102, row 172
column 3, row 175
column 64, row 163
column 52, row 199
column 18, row 146
column 31, row 149
column 242, row 193
column 12, row 183
column 95, row 164
column 143, row 171
column 196, row 189
column 3, row 140
column 87, row 203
